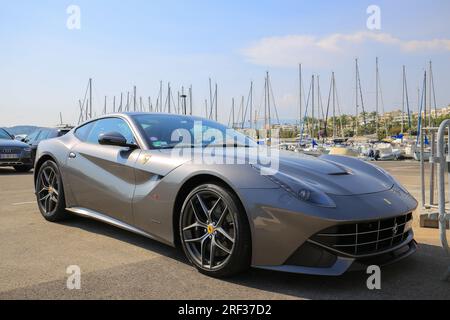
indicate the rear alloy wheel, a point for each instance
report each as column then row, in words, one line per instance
column 214, row 231
column 50, row 193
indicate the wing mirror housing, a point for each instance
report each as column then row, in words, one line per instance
column 115, row 139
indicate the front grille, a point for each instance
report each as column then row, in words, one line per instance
column 367, row 237
column 10, row 150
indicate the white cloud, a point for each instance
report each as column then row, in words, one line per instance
column 322, row 51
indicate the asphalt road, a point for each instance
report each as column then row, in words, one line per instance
column 116, row 264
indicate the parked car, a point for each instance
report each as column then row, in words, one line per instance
column 42, row 134
column 320, row 216
column 14, row 153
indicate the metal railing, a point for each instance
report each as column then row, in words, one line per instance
column 443, row 158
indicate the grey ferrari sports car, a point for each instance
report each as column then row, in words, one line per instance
column 228, row 202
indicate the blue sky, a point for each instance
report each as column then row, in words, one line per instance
column 45, row 66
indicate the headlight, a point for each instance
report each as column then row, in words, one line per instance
column 300, row 189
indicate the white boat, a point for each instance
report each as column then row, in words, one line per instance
column 426, row 154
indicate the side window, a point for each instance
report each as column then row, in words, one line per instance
column 82, row 133
column 110, row 125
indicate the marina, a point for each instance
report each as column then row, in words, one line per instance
column 321, row 126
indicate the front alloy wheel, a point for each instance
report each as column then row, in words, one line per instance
column 214, row 231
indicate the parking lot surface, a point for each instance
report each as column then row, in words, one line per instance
column 115, row 264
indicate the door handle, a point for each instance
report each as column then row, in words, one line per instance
column 72, row 155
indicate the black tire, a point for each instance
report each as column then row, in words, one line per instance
column 227, row 217
column 23, row 169
column 48, row 188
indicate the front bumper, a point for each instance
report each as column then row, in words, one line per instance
column 24, row 160
column 281, row 225
column 336, row 265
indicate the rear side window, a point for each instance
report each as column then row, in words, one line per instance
column 82, row 133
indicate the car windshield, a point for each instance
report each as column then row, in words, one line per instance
column 4, row 135
column 173, row 131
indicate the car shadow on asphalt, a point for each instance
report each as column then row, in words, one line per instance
column 97, row 227
column 417, row 277
column 6, row 171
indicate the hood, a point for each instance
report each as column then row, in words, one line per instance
column 12, row 143
column 335, row 175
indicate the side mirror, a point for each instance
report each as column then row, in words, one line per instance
column 114, row 139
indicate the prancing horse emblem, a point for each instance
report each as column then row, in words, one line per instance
column 395, row 229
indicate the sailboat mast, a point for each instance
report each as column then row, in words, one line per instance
column 300, row 94
column 134, row 99
column 403, row 102
column 232, row 113
column 313, row 127
column 333, row 84
column 268, row 101
column 251, row 105
column 430, row 75
column 377, row 81
column 90, row 98
column 356, row 92
column 160, row 96
column 215, row 103
column 190, row 100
